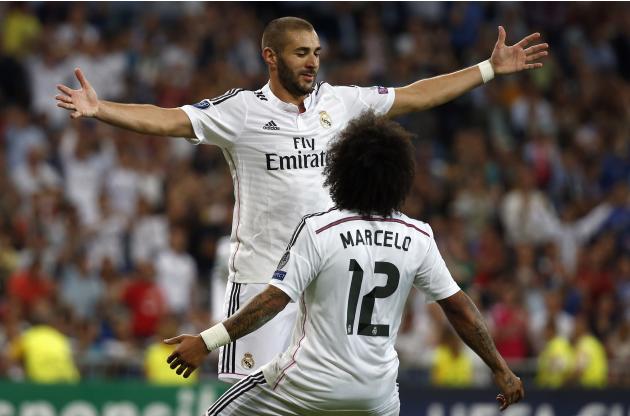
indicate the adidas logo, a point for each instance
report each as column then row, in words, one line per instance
column 271, row 126
column 260, row 95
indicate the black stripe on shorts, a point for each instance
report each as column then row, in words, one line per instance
column 235, row 392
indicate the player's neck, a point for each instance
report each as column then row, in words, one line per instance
column 282, row 94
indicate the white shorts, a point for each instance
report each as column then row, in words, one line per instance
column 253, row 396
column 246, row 355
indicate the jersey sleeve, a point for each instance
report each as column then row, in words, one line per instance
column 360, row 99
column 299, row 264
column 433, row 277
column 219, row 120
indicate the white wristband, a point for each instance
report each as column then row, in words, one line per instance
column 487, row 73
column 215, row 337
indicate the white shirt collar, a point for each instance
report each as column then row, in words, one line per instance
column 288, row 107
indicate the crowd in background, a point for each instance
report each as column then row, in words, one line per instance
column 109, row 239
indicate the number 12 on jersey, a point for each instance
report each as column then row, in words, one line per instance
column 366, row 327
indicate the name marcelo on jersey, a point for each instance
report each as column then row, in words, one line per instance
column 377, row 238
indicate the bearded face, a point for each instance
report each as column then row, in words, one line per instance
column 297, row 82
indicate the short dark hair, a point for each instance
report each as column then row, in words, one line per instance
column 274, row 34
column 370, row 166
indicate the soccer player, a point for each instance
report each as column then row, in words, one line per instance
column 274, row 141
column 350, row 269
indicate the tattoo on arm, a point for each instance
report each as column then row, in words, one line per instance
column 470, row 326
column 261, row 309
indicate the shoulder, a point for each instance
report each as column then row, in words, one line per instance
column 232, row 96
column 311, row 222
column 421, row 227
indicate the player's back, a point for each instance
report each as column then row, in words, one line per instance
column 342, row 354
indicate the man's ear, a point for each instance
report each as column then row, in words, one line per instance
column 269, row 56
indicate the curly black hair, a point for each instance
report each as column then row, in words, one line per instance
column 370, row 166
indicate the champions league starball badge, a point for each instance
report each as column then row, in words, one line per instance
column 284, row 260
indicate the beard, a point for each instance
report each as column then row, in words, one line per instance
column 291, row 81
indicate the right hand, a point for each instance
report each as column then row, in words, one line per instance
column 82, row 102
column 190, row 352
column 511, row 388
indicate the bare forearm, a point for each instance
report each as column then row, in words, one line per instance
column 432, row 92
column 470, row 326
column 145, row 119
column 256, row 313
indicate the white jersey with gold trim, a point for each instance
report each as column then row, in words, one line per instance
column 351, row 276
column 276, row 157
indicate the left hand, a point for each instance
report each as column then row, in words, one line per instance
column 508, row 59
column 188, row 355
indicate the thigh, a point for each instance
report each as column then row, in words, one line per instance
column 246, row 355
column 251, row 396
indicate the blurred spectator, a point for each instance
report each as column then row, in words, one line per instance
column 20, row 29
column 156, row 370
column 81, row 288
column 145, row 300
column 555, row 359
column 451, row 366
column 45, row 351
column 590, row 368
column 30, row 285
column 84, row 166
column 218, row 278
column 618, row 345
column 107, row 235
column 509, row 323
column 36, row 174
column 21, row 134
column 46, row 69
column 527, row 214
column 149, row 232
column 552, row 318
column 176, row 273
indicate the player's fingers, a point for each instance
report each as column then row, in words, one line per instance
column 527, row 39
column 501, row 39
column 171, row 357
column 189, row 371
column 533, row 66
column 536, row 56
column 181, row 368
column 503, row 403
column 177, row 361
column 74, row 115
column 63, row 98
column 67, row 106
column 64, row 89
column 174, row 340
column 82, row 80
column 536, row 48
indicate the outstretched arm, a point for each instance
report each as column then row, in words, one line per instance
column 192, row 349
column 431, row 92
column 468, row 322
column 141, row 118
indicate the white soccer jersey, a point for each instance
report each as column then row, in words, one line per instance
column 351, row 276
column 276, row 156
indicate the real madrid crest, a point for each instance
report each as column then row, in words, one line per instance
column 247, row 361
column 325, row 120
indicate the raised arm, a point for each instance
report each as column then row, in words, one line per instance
column 468, row 322
column 141, row 118
column 431, row 92
column 192, row 349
